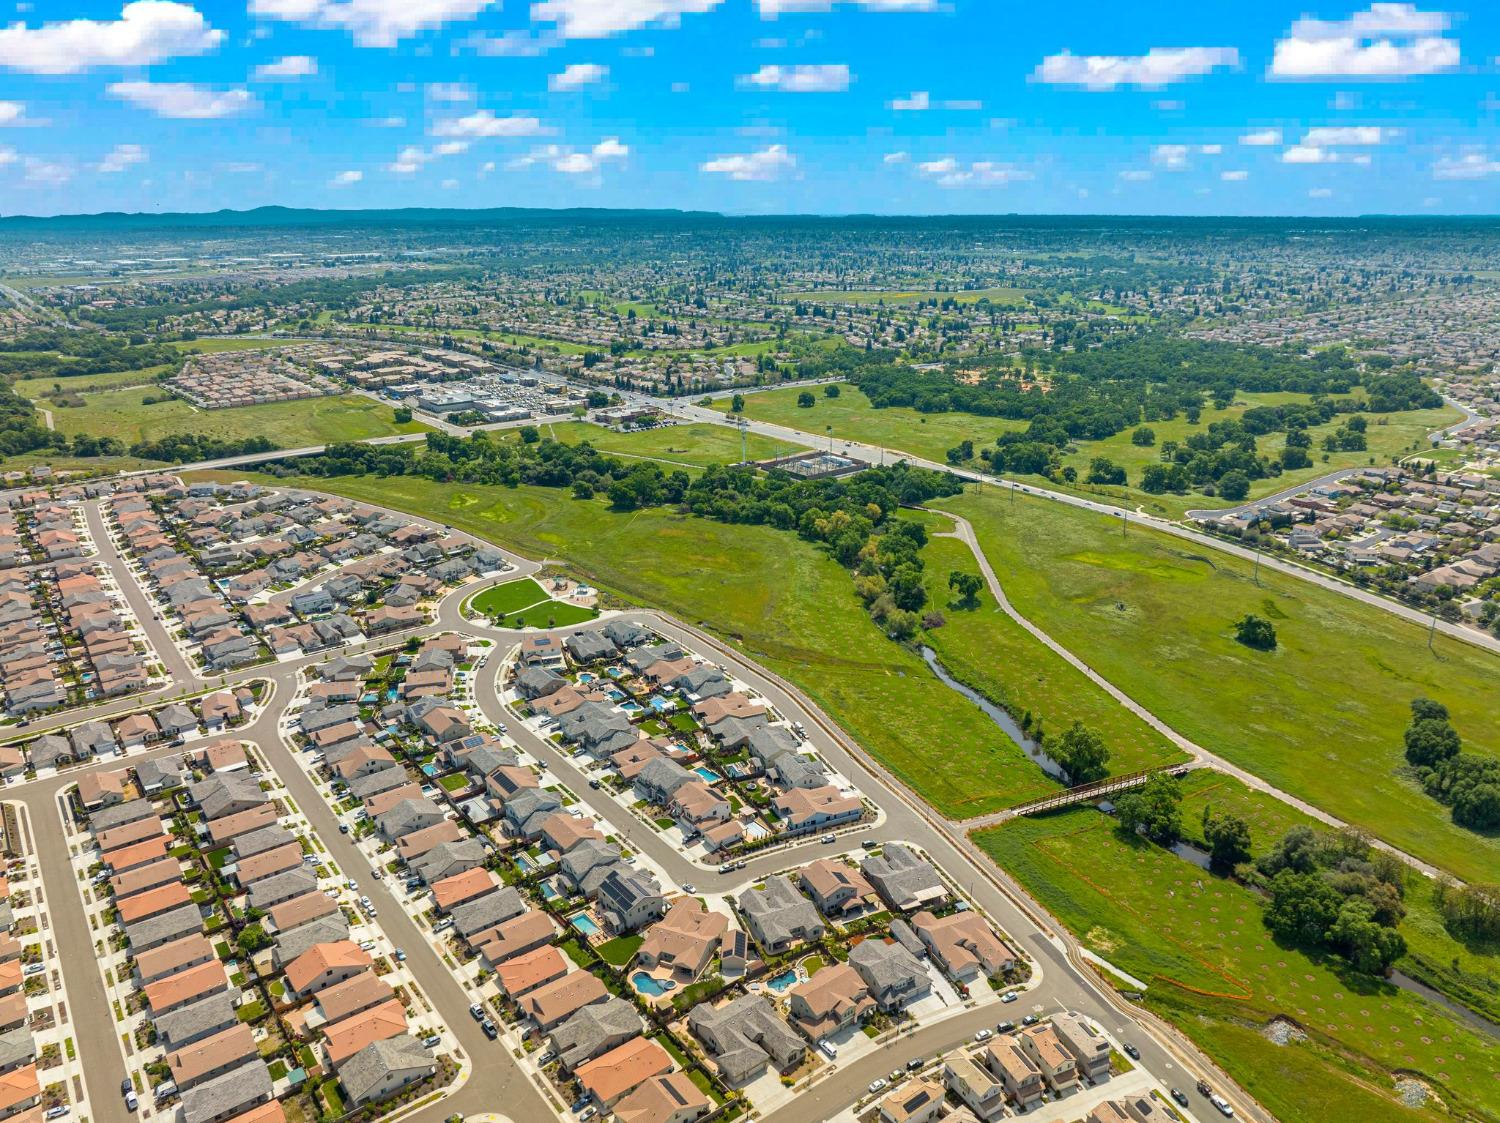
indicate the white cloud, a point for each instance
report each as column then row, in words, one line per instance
column 1473, row 164
column 450, row 92
column 122, row 156
column 1320, row 193
column 1173, row 157
column 1308, row 154
column 148, row 31
column 183, row 100
column 1236, row 176
column 291, row 66
column 387, row 122
column 897, row 158
column 450, row 148
column 770, row 9
column 241, row 167
column 344, row 179
column 484, row 124
column 1356, row 135
column 372, row 23
column 1210, row 149
column 409, row 160
column 577, row 75
column 1158, row 67
column 449, row 184
column 1387, row 40
column 45, row 173
column 509, row 44
column 1261, row 138
column 949, row 172
column 918, row 102
column 13, row 113
column 814, row 78
column 569, row 161
column 600, row 19
column 1135, row 175
column 7, row 156
column 763, row 166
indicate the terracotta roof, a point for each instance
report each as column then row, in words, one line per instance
column 173, row 990
column 219, row 1050
column 323, row 957
column 623, row 1068
column 153, row 901
column 18, row 1085
column 169, row 957
column 353, row 1034
column 535, row 968
column 461, row 887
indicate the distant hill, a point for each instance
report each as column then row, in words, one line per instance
column 294, row 216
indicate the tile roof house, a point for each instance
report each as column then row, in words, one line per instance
column 516, row 936
column 974, row 1087
column 963, row 945
column 524, row 973
column 594, row 1030
column 685, row 940
column 904, row 879
column 835, row 886
column 196, row 1021
column 548, row 1005
column 672, row 1098
column 352, row 1035
column 779, row 916
column 917, row 1101
column 609, row 1078
column 744, row 1036
column 228, row 1094
column 384, row 1067
column 895, row 977
column 206, row 1058
column 834, row 999
column 323, row 965
column 1008, row 1062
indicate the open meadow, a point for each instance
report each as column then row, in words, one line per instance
column 1320, row 717
column 694, row 445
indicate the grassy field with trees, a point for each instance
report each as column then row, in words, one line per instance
column 1322, row 716
column 1200, row 942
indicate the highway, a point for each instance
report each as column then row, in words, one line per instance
column 1063, row 980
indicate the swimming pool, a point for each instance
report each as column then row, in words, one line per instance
column 708, row 774
column 584, row 923
column 784, row 980
column 631, row 707
column 651, row 987
column 429, row 769
column 549, row 891
column 663, row 705
column 584, row 676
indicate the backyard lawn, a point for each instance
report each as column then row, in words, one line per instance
column 1199, row 942
column 1321, row 717
column 311, row 421
column 806, row 624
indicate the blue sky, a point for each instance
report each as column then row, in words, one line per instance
column 752, row 106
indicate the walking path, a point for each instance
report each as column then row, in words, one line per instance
column 1201, row 757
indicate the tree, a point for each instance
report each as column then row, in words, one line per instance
column 1303, row 907
column 1103, row 470
column 530, row 434
column 831, row 390
column 1234, row 485
column 1297, row 850
column 1144, row 436
column 1252, row 631
column 252, row 938
column 805, row 400
column 737, row 404
column 1155, row 809
column 1369, row 945
column 967, row 586
column 1430, row 741
column 1082, row 754
column 1426, row 707
column 402, row 415
column 1228, row 837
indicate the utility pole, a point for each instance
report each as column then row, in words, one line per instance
column 1124, row 522
column 1257, row 561
column 1432, row 630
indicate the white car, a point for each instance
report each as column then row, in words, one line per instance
column 877, row 1085
column 984, row 1035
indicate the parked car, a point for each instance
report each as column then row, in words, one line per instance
column 727, row 867
column 914, row 1064
column 984, row 1035
column 367, row 945
column 546, row 1059
column 132, row 1101
column 1223, row 1105
column 477, row 1012
column 165, row 1089
column 589, row 1112
column 400, row 956
column 343, row 828
column 1030, row 1020
column 489, row 1029
column 828, row 1049
column 1204, row 1089
column 125, row 1086
column 1180, row 1096
column 1131, row 1051
column 827, row 838
column 34, row 969
column 432, row 1040
column 1004, row 1027
column 61, row 1109
column 689, row 887
column 868, row 844
column 1009, row 996
column 877, row 1085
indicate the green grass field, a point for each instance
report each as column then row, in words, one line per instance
column 1320, row 717
column 931, row 435
column 773, row 596
column 34, row 388
column 509, row 597
column 696, row 444
column 985, row 649
column 928, row 435
column 1211, row 967
column 310, row 421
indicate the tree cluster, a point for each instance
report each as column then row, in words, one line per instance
column 1467, row 783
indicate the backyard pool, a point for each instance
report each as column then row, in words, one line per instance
column 584, row 676
column 549, row 891
column 708, row 774
column 429, row 769
column 584, row 923
column 651, row 987
column 784, row 980
column 631, row 707
column 663, row 705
